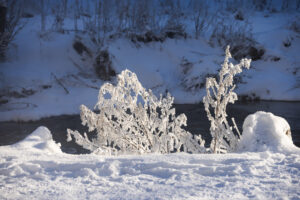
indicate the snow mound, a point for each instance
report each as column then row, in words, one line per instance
column 264, row 131
column 41, row 140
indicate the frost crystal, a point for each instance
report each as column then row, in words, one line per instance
column 219, row 94
column 133, row 120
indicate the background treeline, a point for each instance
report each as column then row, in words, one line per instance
column 222, row 22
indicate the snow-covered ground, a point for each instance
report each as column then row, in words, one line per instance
column 35, row 168
column 44, row 76
column 40, row 66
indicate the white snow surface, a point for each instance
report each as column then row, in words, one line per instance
column 35, row 168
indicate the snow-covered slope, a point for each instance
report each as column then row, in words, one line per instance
column 276, row 76
column 52, row 79
column 35, row 168
column 36, row 73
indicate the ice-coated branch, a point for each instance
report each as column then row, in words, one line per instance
column 132, row 120
column 218, row 95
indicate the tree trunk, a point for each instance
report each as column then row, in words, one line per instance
column 76, row 15
column 43, row 16
column 3, row 11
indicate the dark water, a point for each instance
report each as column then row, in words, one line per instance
column 12, row 132
column 199, row 124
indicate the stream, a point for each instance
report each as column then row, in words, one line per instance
column 12, row 132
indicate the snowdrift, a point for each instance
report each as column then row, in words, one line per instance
column 40, row 140
column 264, row 131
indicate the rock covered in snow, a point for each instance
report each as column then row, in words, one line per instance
column 40, row 139
column 264, row 131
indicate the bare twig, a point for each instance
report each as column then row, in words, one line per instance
column 235, row 126
column 60, row 83
column 76, row 65
column 84, row 83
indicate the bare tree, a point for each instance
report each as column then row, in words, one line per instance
column 10, row 24
column 43, row 16
column 65, row 8
column 141, row 15
column 106, row 11
column 76, row 15
column 59, row 16
column 3, row 10
column 122, row 11
column 202, row 19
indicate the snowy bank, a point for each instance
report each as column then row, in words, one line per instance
column 42, row 63
column 35, row 168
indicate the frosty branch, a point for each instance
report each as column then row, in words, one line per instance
column 219, row 94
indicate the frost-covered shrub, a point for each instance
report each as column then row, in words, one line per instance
column 219, row 94
column 133, row 120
